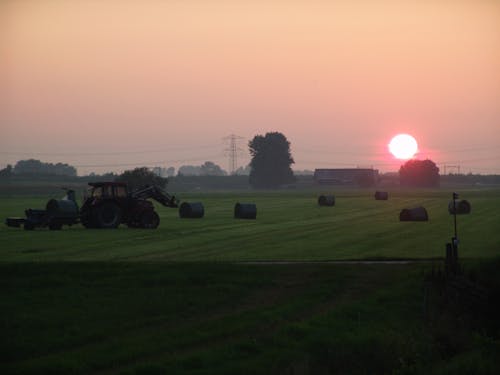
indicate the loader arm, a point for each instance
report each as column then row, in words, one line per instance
column 158, row 194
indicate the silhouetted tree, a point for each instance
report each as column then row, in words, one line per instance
column 141, row 177
column 211, row 169
column 419, row 173
column 206, row 169
column 271, row 161
column 6, row 172
column 170, row 171
column 34, row 167
column 243, row 170
column 189, row 170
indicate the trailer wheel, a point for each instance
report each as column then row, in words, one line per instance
column 150, row 219
column 108, row 215
column 28, row 225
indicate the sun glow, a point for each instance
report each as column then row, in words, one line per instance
column 403, row 146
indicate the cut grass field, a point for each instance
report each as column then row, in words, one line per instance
column 289, row 226
column 180, row 300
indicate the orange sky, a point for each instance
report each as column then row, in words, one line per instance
column 108, row 85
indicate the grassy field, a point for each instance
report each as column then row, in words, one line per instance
column 289, row 226
column 183, row 299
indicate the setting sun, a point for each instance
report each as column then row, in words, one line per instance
column 403, row 146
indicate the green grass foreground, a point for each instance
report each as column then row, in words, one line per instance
column 204, row 318
column 181, row 300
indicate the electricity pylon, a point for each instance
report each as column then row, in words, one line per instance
column 232, row 151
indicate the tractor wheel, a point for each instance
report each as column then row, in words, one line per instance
column 55, row 225
column 86, row 223
column 150, row 219
column 87, row 219
column 108, row 215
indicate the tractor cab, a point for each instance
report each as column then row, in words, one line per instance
column 107, row 190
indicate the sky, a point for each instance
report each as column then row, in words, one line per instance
column 114, row 84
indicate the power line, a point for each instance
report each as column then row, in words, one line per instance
column 307, row 150
column 147, row 163
column 453, row 167
column 150, row 151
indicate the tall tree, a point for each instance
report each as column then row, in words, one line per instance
column 141, row 177
column 271, row 161
column 419, row 173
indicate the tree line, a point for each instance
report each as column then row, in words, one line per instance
column 37, row 167
column 270, row 167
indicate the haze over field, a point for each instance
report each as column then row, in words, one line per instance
column 109, row 85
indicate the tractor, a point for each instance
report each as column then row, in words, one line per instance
column 105, row 205
column 109, row 204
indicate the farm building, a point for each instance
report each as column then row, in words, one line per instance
column 346, row 176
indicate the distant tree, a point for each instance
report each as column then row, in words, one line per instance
column 30, row 166
column 211, row 169
column 34, row 167
column 6, row 172
column 63, row 169
column 107, row 176
column 141, row 177
column 189, row 170
column 243, row 171
column 271, row 161
column 164, row 172
column 419, row 173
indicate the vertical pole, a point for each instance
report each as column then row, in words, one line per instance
column 455, row 239
column 455, row 196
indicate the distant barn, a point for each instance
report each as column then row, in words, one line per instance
column 346, row 176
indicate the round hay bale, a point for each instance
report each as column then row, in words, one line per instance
column 245, row 211
column 461, row 207
column 193, row 210
column 326, row 200
column 62, row 208
column 413, row 214
column 381, row 195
